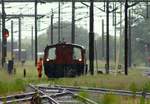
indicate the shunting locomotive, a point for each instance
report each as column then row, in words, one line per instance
column 64, row 60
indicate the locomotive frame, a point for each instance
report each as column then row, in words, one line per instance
column 64, row 60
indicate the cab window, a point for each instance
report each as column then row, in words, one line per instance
column 51, row 53
column 76, row 53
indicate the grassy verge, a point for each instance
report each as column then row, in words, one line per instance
column 17, row 83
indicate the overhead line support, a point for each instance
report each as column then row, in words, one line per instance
column 32, row 42
column 19, row 40
column 107, row 37
column 91, row 39
column 4, row 39
column 36, row 57
column 59, row 22
column 126, row 38
column 52, row 17
column 73, row 22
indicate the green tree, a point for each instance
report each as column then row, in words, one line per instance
column 140, row 35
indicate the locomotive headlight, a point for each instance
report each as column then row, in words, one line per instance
column 47, row 59
column 80, row 59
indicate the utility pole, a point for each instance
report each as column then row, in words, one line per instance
column 32, row 42
column 103, row 51
column 130, row 50
column 12, row 40
column 19, row 39
column 0, row 38
column 120, row 41
column 52, row 16
column 36, row 33
column 96, row 56
column 126, row 38
column 91, row 39
column 4, row 39
column 147, row 7
column 107, row 37
column 115, row 43
column 73, row 22
column 58, row 21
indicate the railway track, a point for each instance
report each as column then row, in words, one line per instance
column 57, row 94
column 104, row 91
column 53, row 96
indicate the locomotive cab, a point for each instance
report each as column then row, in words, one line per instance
column 64, row 60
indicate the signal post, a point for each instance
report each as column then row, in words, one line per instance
column 5, row 34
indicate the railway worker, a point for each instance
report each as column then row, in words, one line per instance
column 39, row 67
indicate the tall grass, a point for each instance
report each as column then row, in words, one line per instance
column 135, row 81
column 16, row 82
column 106, row 81
column 9, row 83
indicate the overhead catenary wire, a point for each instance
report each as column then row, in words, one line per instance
column 45, row 15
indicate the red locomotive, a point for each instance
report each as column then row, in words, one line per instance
column 64, row 60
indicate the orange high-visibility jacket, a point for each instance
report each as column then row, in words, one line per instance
column 39, row 64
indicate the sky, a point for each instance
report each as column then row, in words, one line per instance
column 45, row 9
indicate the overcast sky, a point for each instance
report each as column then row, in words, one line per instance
column 45, row 9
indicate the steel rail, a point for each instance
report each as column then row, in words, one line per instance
column 68, row 92
column 112, row 91
column 64, row 101
column 60, row 94
column 62, row 91
column 17, row 96
column 18, row 100
column 27, row 97
column 29, row 94
column 36, row 89
column 82, row 98
column 104, row 90
column 99, row 90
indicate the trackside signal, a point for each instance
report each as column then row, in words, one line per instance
column 6, row 33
